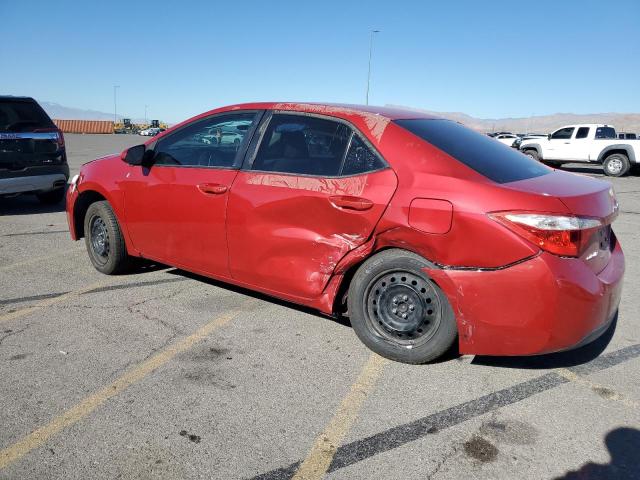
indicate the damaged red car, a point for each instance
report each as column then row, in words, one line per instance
column 420, row 230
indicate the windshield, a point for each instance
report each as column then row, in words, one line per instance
column 21, row 116
column 494, row 160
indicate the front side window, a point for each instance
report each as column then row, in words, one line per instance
column 489, row 158
column 583, row 132
column 605, row 132
column 212, row 142
column 563, row 134
column 302, row 144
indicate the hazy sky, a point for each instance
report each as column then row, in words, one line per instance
column 485, row 58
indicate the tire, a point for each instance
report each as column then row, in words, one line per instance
column 386, row 287
column 532, row 153
column 104, row 239
column 616, row 165
column 53, row 197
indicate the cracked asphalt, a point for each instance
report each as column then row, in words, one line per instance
column 164, row 374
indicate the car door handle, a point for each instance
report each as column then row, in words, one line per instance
column 212, row 188
column 567, row 143
column 351, row 203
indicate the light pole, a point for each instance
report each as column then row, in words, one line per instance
column 145, row 114
column 115, row 105
column 369, row 72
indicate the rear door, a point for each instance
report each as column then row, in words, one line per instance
column 311, row 191
column 176, row 208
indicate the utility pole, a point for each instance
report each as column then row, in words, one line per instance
column 145, row 114
column 115, row 104
column 370, row 53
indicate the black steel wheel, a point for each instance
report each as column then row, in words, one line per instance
column 403, row 307
column 398, row 311
column 99, row 238
column 104, row 240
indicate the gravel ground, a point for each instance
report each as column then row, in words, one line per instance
column 163, row 374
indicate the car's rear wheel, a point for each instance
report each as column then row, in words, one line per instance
column 398, row 311
column 616, row 165
column 53, row 197
column 532, row 153
column 104, row 239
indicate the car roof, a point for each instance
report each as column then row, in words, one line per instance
column 334, row 109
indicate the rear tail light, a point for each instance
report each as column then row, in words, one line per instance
column 564, row 235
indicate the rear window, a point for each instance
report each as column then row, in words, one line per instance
column 490, row 158
column 22, row 116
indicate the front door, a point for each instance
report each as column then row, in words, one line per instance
column 559, row 144
column 314, row 191
column 181, row 219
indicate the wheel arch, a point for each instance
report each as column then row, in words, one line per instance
column 617, row 148
column 80, row 207
column 532, row 146
column 346, row 276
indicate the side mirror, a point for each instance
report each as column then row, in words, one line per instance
column 548, row 136
column 134, row 155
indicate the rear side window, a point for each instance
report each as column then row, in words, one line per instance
column 496, row 161
column 302, row 145
column 605, row 132
column 360, row 158
column 583, row 132
column 22, row 116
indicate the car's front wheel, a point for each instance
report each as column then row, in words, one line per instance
column 104, row 239
column 398, row 311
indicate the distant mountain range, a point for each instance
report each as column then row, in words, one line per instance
column 624, row 122
column 60, row 112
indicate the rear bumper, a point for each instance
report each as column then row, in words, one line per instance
column 545, row 304
column 34, row 183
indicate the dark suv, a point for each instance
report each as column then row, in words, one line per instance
column 33, row 158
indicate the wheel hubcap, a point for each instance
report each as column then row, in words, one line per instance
column 99, row 238
column 403, row 307
column 614, row 165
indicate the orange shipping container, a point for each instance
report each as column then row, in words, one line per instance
column 84, row 126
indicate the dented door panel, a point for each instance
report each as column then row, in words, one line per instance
column 286, row 234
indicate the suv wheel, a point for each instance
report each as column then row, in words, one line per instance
column 104, row 240
column 53, row 197
column 398, row 311
column 616, row 165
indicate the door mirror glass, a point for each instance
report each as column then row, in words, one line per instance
column 134, row 155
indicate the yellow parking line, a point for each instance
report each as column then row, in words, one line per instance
column 89, row 404
column 21, row 312
column 604, row 392
column 319, row 459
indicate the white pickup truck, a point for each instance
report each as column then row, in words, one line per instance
column 585, row 143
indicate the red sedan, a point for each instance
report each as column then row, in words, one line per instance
column 419, row 229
